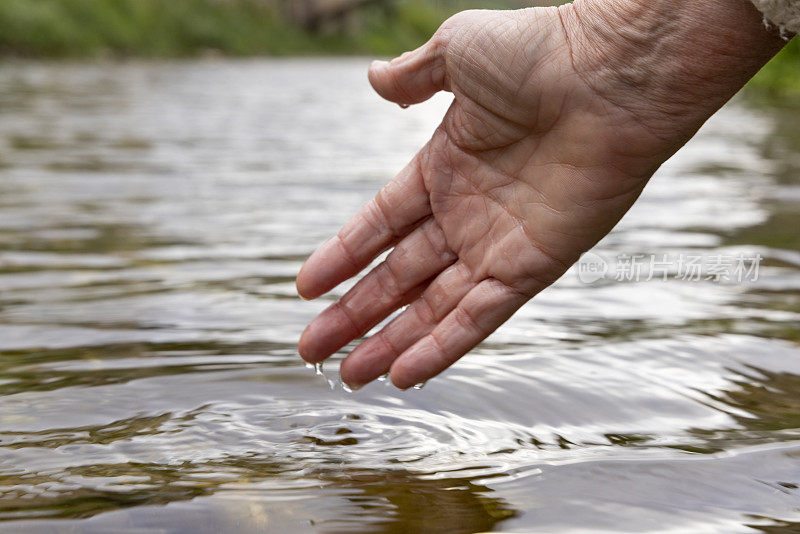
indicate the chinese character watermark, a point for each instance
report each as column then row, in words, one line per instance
column 687, row 267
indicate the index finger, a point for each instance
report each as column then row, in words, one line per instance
column 394, row 212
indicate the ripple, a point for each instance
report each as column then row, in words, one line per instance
column 153, row 218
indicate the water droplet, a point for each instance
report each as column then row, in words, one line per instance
column 309, row 366
column 347, row 388
column 383, row 378
column 420, row 385
column 318, row 369
column 405, row 106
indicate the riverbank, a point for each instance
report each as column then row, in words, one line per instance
column 154, row 28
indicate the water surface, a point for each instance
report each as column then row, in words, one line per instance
column 152, row 219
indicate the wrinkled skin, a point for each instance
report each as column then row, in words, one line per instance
column 542, row 152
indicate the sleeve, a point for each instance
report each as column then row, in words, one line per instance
column 784, row 14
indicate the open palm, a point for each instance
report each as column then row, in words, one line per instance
column 531, row 166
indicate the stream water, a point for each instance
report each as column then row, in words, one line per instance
column 152, row 219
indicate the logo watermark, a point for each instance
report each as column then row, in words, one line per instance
column 687, row 267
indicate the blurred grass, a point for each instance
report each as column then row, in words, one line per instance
column 158, row 28
column 781, row 76
column 170, row 28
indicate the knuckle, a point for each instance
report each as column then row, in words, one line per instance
column 376, row 214
column 437, row 242
column 425, row 311
column 388, row 281
column 464, row 319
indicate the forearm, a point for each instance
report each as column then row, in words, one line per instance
column 684, row 58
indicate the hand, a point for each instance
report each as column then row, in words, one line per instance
column 558, row 121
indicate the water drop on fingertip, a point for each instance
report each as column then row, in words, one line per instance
column 383, row 378
column 309, row 366
column 419, row 386
column 405, row 106
column 318, row 369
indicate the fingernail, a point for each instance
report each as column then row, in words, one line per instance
column 351, row 387
column 297, row 287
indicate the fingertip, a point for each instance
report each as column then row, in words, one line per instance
column 376, row 75
column 355, row 370
column 417, row 364
column 302, row 282
column 327, row 333
column 399, row 377
column 345, row 373
column 395, row 81
column 378, row 64
column 305, row 289
column 299, row 286
column 399, row 384
column 378, row 71
column 304, row 348
column 350, row 378
column 353, row 387
column 311, row 348
column 315, row 278
column 312, row 344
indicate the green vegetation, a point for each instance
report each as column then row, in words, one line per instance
column 781, row 76
column 155, row 28
column 158, row 28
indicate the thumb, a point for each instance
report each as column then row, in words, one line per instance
column 413, row 77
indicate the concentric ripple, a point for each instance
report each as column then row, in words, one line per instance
column 152, row 219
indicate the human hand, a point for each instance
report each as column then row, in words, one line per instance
column 560, row 116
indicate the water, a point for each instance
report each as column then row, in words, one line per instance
column 152, row 219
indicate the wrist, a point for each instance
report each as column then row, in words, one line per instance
column 680, row 59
